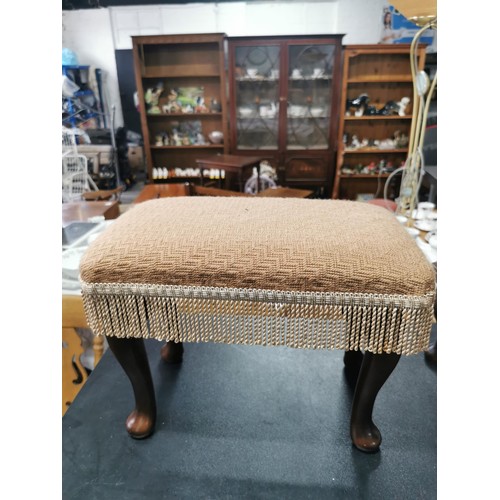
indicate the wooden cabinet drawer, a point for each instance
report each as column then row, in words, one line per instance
column 306, row 168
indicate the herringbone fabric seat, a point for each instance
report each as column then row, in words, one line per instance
column 303, row 273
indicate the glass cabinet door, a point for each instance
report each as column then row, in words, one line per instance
column 310, row 73
column 257, row 96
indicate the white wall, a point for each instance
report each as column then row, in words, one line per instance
column 94, row 34
column 88, row 33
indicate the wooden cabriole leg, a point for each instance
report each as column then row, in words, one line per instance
column 374, row 372
column 352, row 362
column 172, row 352
column 131, row 354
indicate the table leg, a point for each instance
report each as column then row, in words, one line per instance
column 98, row 347
column 374, row 372
column 131, row 354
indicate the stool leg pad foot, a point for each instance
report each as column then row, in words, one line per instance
column 139, row 425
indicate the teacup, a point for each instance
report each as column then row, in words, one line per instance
column 275, row 73
column 252, row 72
column 317, row 72
column 425, row 210
column 296, row 73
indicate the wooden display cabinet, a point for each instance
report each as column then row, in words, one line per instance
column 176, row 131
column 382, row 72
column 284, row 103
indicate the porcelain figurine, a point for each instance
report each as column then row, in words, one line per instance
column 400, row 139
column 370, row 111
column 390, row 108
column 268, row 111
column 176, row 139
column 152, row 98
column 200, row 105
column 359, row 103
column 355, row 143
column 402, row 104
column 215, row 106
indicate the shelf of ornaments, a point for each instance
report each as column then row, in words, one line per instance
column 163, row 173
column 191, row 146
column 365, row 176
column 382, row 79
column 183, row 115
column 290, row 79
column 375, row 117
column 375, row 150
column 190, row 71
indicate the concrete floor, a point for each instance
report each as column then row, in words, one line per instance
column 251, row 422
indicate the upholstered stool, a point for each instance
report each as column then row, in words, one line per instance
column 314, row 274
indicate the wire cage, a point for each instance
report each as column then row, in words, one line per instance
column 76, row 179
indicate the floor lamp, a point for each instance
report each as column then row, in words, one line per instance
column 424, row 15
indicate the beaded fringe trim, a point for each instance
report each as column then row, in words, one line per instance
column 309, row 320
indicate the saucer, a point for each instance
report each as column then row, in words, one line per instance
column 419, row 214
column 428, row 250
column 425, row 225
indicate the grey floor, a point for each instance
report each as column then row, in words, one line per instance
column 250, row 422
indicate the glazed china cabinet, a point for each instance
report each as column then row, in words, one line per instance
column 181, row 84
column 284, row 102
column 375, row 119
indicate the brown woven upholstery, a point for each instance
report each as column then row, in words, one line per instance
column 221, row 254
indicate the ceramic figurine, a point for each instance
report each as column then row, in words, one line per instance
column 400, row 140
column 268, row 111
column 152, row 97
column 173, row 105
column 158, row 140
column 386, row 144
column 176, row 138
column 359, row 103
column 215, row 106
column 390, row 108
column 370, row 111
column 355, row 144
column 402, row 104
column 200, row 139
column 200, row 105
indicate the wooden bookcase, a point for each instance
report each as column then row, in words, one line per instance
column 175, row 138
column 284, row 102
column 382, row 72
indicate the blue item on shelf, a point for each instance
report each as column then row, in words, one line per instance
column 69, row 58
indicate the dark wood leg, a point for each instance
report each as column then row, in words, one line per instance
column 353, row 360
column 131, row 354
column 172, row 352
column 375, row 370
column 432, row 353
